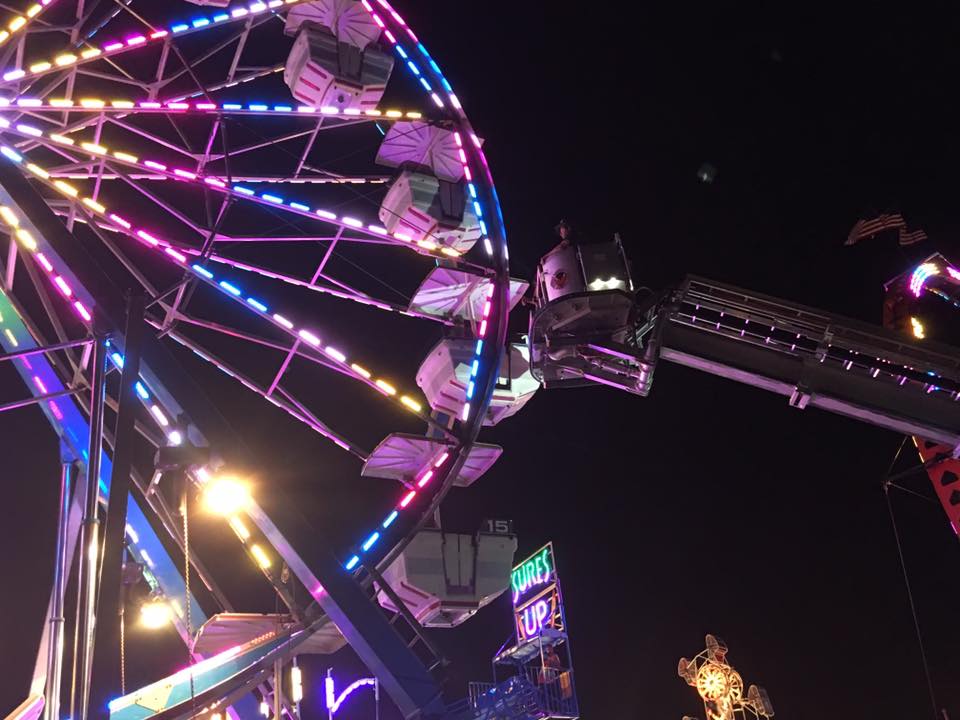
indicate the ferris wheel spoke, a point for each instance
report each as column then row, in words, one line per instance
column 239, row 79
column 296, row 348
column 313, row 286
column 227, row 289
column 281, row 402
column 344, row 292
column 240, row 38
column 427, row 248
column 115, row 48
column 21, row 22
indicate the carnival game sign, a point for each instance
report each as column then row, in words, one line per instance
column 535, row 588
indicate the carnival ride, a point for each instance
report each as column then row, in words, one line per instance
column 720, row 686
column 157, row 125
column 140, row 120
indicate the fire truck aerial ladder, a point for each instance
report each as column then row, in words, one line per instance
column 589, row 326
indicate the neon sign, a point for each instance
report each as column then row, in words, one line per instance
column 532, row 573
column 334, row 701
column 539, row 614
column 537, row 604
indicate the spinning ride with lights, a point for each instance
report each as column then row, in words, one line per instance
column 244, row 171
column 720, row 686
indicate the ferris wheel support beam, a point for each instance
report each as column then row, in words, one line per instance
column 87, row 582
column 45, row 349
column 17, row 404
column 110, row 592
column 311, row 421
column 97, row 285
column 51, row 708
column 70, row 424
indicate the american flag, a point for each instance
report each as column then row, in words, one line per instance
column 909, row 237
column 869, row 228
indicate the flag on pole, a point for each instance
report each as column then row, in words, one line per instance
column 868, row 228
column 909, row 237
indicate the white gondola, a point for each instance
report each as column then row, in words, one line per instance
column 444, row 377
column 348, row 20
column 449, row 293
column 444, row 578
column 420, row 146
column 321, row 71
column 401, row 456
column 424, row 208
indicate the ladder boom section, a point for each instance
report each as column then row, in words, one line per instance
column 815, row 359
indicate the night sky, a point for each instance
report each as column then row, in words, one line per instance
column 708, row 506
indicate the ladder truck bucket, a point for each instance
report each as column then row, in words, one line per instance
column 587, row 327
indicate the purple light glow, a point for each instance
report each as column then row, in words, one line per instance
column 920, row 276
column 333, row 702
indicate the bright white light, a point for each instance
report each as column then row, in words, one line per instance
column 226, row 496
column 296, row 684
column 154, row 614
column 612, row 283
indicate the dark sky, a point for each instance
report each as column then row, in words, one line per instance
column 707, row 507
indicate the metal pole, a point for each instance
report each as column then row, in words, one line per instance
column 51, row 706
column 90, row 545
column 376, row 696
column 109, row 587
column 277, row 689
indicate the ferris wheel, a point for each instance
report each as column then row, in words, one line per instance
column 290, row 188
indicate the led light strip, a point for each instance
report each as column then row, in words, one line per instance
column 29, row 243
column 117, row 47
column 19, row 22
column 178, row 107
column 172, row 253
column 422, row 247
column 237, row 265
